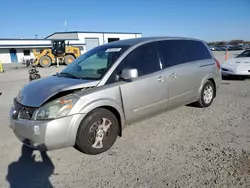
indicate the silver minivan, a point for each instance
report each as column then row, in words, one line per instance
column 90, row 102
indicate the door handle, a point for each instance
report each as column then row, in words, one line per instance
column 161, row 79
column 173, row 75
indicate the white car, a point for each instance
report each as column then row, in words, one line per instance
column 238, row 66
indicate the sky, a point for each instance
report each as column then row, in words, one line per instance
column 210, row 20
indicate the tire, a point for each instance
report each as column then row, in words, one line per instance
column 45, row 61
column 86, row 141
column 206, row 100
column 69, row 59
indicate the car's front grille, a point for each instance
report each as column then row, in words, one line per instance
column 224, row 69
column 21, row 111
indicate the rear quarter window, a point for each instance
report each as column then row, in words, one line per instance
column 175, row 52
column 196, row 50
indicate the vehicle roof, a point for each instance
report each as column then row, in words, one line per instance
column 134, row 41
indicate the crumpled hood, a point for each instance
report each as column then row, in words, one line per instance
column 39, row 91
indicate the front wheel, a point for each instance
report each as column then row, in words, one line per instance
column 207, row 95
column 69, row 59
column 97, row 132
column 45, row 61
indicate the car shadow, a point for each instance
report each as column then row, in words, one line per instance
column 192, row 105
column 26, row 172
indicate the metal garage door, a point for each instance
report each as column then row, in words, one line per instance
column 91, row 43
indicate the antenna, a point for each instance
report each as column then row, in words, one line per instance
column 65, row 25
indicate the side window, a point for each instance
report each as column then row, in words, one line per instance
column 26, row 52
column 245, row 54
column 144, row 58
column 170, row 52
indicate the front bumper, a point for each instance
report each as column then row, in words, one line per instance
column 47, row 135
column 237, row 71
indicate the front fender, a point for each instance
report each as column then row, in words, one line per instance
column 91, row 105
column 102, row 96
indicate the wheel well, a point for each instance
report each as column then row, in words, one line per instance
column 117, row 114
column 212, row 80
column 70, row 54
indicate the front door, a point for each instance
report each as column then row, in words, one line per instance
column 13, row 56
column 148, row 94
column 144, row 97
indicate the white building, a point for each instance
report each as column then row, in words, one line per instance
column 15, row 50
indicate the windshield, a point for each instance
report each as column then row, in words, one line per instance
column 94, row 63
column 245, row 54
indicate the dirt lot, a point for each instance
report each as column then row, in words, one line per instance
column 187, row 147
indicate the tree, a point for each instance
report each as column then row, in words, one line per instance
column 222, row 43
column 236, row 42
column 210, row 43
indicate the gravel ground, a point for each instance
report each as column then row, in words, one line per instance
column 186, row 147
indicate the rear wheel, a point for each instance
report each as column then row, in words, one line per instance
column 69, row 59
column 45, row 61
column 207, row 95
column 97, row 132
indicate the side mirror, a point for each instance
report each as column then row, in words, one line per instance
column 129, row 74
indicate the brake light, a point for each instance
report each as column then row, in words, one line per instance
column 217, row 63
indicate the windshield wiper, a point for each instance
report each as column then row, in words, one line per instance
column 89, row 78
column 68, row 75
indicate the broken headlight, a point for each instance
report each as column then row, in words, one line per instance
column 57, row 108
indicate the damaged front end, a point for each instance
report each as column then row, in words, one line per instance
column 40, row 116
column 49, row 98
column 62, row 103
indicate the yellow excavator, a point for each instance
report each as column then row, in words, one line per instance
column 59, row 53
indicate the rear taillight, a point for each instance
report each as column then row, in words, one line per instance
column 217, row 63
